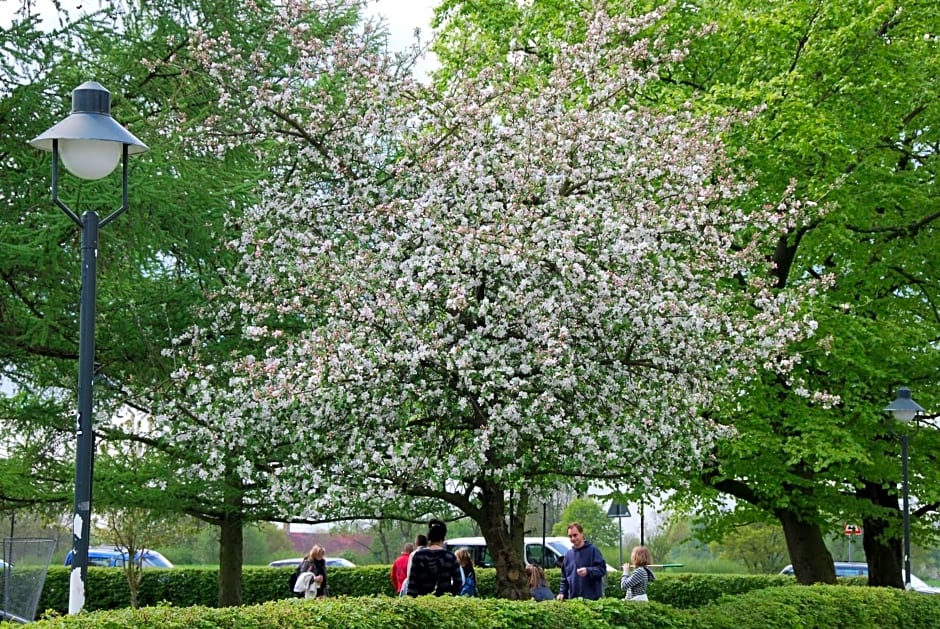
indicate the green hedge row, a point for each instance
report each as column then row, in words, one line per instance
column 787, row 606
column 185, row 587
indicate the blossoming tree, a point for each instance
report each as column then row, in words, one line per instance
column 484, row 290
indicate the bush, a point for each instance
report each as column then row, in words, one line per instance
column 164, row 592
column 688, row 591
column 786, row 606
column 823, row 606
column 185, row 587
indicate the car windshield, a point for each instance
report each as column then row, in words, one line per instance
column 156, row 561
column 560, row 547
column 339, row 562
column 851, row 571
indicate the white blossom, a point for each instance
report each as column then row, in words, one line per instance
column 503, row 279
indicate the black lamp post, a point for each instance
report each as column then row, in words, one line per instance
column 905, row 409
column 90, row 143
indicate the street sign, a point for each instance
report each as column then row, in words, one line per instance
column 618, row 510
column 853, row 529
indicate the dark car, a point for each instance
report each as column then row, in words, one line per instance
column 111, row 557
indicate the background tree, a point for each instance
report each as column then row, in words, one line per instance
column 662, row 534
column 47, row 524
column 760, row 547
column 389, row 537
column 133, row 531
column 156, row 264
column 129, row 528
column 543, row 513
column 845, row 130
column 598, row 528
column 265, row 542
column 202, row 548
column 846, row 115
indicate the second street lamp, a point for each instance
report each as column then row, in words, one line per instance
column 905, row 409
column 90, row 143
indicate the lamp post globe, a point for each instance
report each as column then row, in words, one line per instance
column 89, row 140
column 90, row 143
column 905, row 409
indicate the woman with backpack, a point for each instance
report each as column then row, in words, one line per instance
column 311, row 574
column 469, row 587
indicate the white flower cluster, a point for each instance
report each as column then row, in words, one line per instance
column 502, row 282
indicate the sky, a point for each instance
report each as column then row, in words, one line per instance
column 403, row 16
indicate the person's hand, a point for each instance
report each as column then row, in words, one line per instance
column 318, row 578
column 582, row 572
column 560, row 597
column 626, row 568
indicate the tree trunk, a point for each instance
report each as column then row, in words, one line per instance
column 383, row 541
column 882, row 545
column 504, row 539
column 134, row 571
column 230, row 560
column 811, row 560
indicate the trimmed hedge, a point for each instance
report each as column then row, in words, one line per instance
column 185, row 587
column 694, row 590
column 787, row 606
column 824, row 606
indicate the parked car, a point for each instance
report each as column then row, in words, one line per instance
column 113, row 557
column 548, row 556
column 860, row 569
column 331, row 562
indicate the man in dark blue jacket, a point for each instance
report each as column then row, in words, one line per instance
column 584, row 568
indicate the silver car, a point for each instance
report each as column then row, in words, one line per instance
column 331, row 562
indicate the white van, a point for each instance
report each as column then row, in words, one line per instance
column 548, row 556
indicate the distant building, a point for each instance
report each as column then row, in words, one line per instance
column 336, row 544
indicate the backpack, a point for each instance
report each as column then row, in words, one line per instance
column 469, row 587
column 293, row 580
